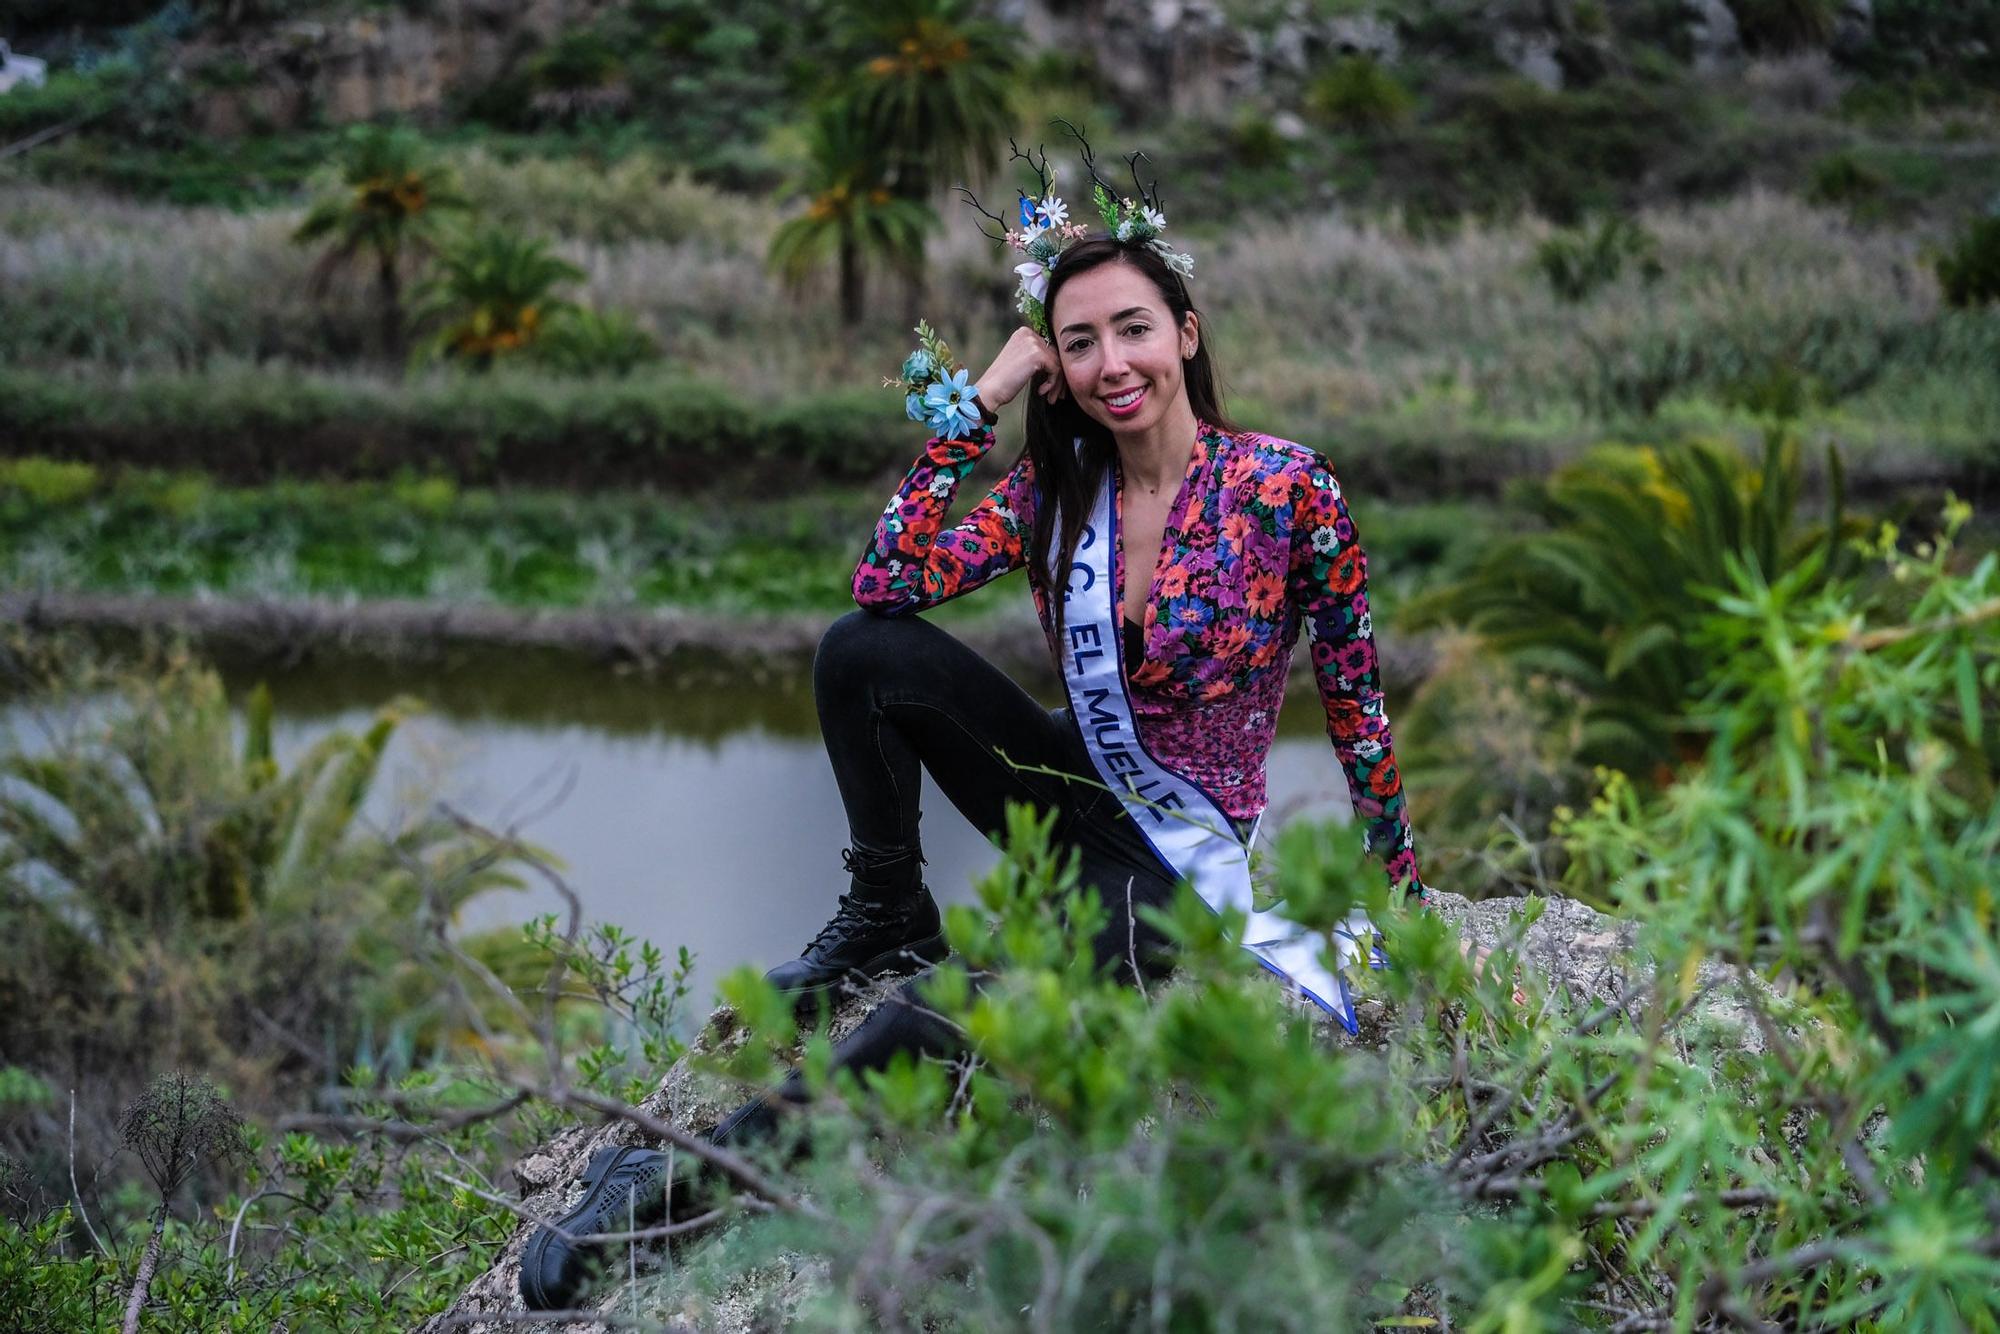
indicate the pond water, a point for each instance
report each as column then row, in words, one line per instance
column 691, row 813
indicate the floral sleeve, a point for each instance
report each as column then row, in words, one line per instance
column 911, row 565
column 1329, row 584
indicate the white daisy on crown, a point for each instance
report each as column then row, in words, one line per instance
column 932, row 382
column 1044, row 230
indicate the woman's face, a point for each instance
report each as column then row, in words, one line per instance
column 1116, row 338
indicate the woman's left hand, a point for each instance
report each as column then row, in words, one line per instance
column 1026, row 359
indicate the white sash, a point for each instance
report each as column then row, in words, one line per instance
column 1185, row 827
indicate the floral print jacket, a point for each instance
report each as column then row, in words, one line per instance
column 1258, row 541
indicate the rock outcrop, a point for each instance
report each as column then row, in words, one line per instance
column 1188, row 57
column 1571, row 947
column 355, row 66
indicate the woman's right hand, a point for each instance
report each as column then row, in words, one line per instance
column 1026, row 356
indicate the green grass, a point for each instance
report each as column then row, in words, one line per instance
column 67, row 527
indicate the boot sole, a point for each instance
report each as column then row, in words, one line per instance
column 902, row 959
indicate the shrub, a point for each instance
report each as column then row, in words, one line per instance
column 649, row 428
column 1605, row 602
column 1844, row 179
column 491, row 293
column 334, row 1235
column 1358, row 92
column 1778, row 26
column 1577, row 263
column 66, row 96
column 1969, row 272
column 582, row 341
column 167, row 884
column 1256, row 143
column 1498, row 144
column 47, row 482
column 578, row 58
column 641, row 196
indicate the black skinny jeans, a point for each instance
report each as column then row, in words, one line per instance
column 897, row 695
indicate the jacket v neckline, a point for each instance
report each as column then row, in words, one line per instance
column 1198, row 459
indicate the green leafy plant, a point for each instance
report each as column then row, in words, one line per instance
column 581, row 341
column 491, row 296
column 1577, row 263
column 1845, row 180
column 253, row 897
column 1605, row 600
column 1969, row 272
column 50, row 482
column 325, row 1233
column 167, row 820
column 391, row 198
column 1358, row 92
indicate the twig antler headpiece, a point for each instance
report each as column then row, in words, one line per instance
column 1045, row 230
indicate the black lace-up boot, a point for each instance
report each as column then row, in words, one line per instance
column 624, row 1188
column 887, row 922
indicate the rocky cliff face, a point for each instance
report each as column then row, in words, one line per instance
column 1570, row 947
column 1188, row 57
column 359, row 66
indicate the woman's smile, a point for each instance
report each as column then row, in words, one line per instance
column 1126, row 402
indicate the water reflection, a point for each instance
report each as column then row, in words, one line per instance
column 696, row 813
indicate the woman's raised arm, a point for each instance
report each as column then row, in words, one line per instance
column 913, row 562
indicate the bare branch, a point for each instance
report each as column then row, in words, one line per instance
column 76, row 1192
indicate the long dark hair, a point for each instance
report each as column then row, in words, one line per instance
column 1066, row 479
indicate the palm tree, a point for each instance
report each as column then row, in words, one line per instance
column 392, row 198
column 492, row 295
column 854, row 217
column 933, row 88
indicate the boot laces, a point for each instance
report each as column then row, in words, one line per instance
column 854, row 915
column 858, row 863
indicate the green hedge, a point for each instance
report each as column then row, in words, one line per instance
column 249, row 425
column 257, row 425
column 253, row 425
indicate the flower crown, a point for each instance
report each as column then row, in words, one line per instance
column 1045, row 230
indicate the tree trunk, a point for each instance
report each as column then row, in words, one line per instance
column 148, row 1263
column 850, row 284
column 913, row 298
column 389, row 289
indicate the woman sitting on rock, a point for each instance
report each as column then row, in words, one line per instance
column 1174, row 662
